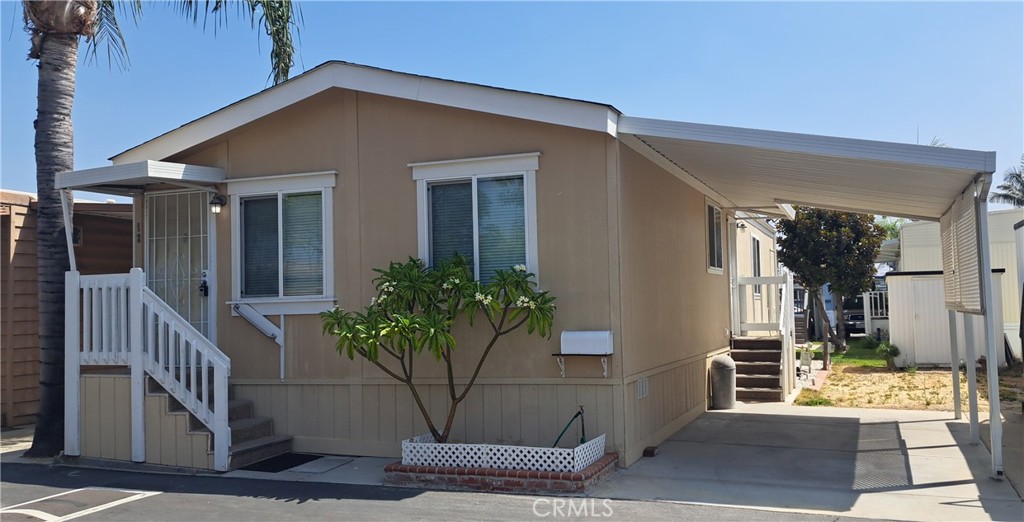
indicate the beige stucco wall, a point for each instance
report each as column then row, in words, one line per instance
column 369, row 140
column 673, row 308
column 621, row 245
column 675, row 312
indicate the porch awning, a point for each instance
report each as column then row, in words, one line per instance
column 133, row 178
column 761, row 170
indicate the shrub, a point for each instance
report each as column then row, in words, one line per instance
column 889, row 352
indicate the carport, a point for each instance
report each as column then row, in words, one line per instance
column 768, row 172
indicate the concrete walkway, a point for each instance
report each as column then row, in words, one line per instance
column 882, row 464
column 905, row 465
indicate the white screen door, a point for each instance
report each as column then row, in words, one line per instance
column 178, row 253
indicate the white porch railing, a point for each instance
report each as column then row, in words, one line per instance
column 116, row 320
column 876, row 310
column 774, row 313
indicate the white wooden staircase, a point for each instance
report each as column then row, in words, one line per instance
column 114, row 320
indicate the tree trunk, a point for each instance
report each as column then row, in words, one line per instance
column 840, row 326
column 54, row 146
column 819, row 306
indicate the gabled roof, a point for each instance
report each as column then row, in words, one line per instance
column 752, row 170
column 337, row 74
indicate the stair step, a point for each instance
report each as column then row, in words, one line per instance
column 757, row 381
column 759, row 394
column 756, row 355
column 757, row 343
column 758, row 368
column 240, row 409
column 244, row 430
column 255, row 450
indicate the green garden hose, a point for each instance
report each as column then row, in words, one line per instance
column 583, row 428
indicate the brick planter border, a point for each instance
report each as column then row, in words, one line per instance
column 501, row 480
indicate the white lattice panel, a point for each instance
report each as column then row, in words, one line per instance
column 423, row 451
column 588, row 453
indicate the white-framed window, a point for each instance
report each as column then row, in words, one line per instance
column 755, row 247
column 714, row 238
column 282, row 242
column 484, row 209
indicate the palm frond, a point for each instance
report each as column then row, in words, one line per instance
column 107, row 31
column 278, row 19
column 1011, row 190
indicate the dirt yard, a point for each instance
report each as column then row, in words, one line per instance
column 855, row 386
column 863, row 387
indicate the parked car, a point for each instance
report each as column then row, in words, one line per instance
column 853, row 315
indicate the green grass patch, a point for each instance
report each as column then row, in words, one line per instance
column 859, row 352
column 809, row 397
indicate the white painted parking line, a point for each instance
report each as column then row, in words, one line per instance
column 32, row 513
column 48, row 517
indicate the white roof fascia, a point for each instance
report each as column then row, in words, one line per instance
column 943, row 157
column 896, row 214
column 786, row 209
column 658, row 159
column 492, row 100
column 139, row 173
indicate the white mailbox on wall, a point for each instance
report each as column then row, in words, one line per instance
column 594, row 343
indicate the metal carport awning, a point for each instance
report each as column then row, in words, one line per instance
column 749, row 169
column 768, row 171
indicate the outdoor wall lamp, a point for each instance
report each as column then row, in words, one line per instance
column 741, row 225
column 217, row 203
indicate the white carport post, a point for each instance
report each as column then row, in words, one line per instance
column 992, row 359
column 972, row 377
column 954, row 357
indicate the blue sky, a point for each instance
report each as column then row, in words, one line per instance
column 903, row 72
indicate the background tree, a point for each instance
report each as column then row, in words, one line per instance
column 55, row 28
column 416, row 308
column 1011, row 190
column 826, row 246
column 891, row 226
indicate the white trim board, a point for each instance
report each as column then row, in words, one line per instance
column 942, row 157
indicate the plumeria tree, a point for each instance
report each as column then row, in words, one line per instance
column 415, row 310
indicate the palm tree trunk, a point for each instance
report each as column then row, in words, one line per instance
column 54, row 144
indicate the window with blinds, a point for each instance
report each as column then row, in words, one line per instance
column 755, row 247
column 714, row 224
column 282, row 245
column 489, row 230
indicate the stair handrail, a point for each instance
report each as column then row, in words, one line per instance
column 180, row 358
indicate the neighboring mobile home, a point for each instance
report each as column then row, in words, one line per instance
column 103, row 245
column 630, row 223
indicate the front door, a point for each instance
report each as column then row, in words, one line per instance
column 178, row 254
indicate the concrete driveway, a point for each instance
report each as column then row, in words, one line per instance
column 903, row 465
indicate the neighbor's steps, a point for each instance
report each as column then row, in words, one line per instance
column 252, row 438
column 758, row 368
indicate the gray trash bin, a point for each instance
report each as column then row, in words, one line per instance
column 723, row 383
